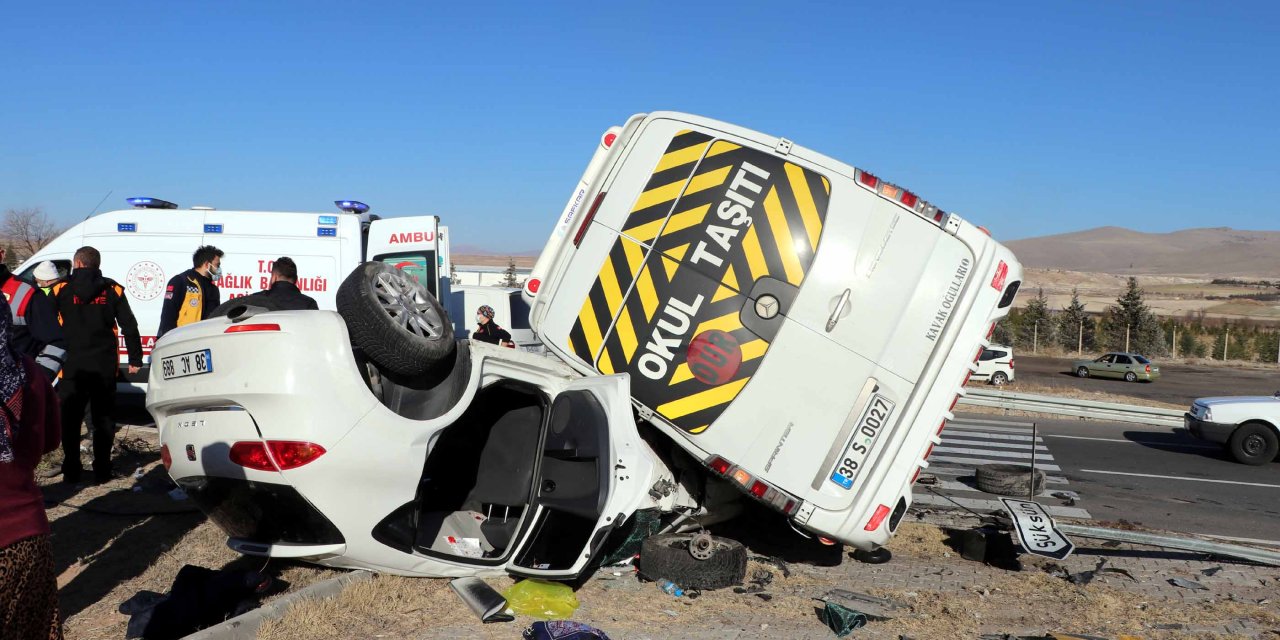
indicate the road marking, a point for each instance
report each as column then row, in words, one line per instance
column 1017, row 455
column 1150, row 475
column 971, row 461
column 1003, row 437
column 986, row 429
column 993, row 423
column 992, row 505
column 1188, row 445
column 999, row 445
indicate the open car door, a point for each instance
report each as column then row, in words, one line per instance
column 594, row 473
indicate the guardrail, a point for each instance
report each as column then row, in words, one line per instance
column 1072, row 407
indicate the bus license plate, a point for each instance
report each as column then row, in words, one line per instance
column 186, row 364
column 874, row 420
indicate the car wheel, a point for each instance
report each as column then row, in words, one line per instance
column 1000, row 378
column 1008, row 479
column 722, row 563
column 1082, row 372
column 1254, row 443
column 879, row 555
column 1130, row 376
column 394, row 320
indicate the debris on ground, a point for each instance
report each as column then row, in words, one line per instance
column 483, row 600
column 986, row 544
column 1210, row 572
column 841, row 619
column 199, row 598
column 563, row 630
column 541, row 599
column 1187, row 584
column 874, row 608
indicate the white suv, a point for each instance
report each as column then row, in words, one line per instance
column 995, row 365
column 799, row 325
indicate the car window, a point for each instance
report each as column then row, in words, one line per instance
column 1123, row 360
column 1141, row 360
column 1104, row 359
column 519, row 311
column 987, row 354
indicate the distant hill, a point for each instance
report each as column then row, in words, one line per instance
column 1217, row 252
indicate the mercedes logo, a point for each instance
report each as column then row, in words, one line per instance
column 767, row 307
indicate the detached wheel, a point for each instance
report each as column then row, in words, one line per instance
column 670, row 557
column 1009, row 479
column 1000, row 378
column 1082, row 372
column 394, row 319
column 1254, row 444
column 1130, row 376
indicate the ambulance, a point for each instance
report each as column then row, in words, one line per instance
column 799, row 325
column 143, row 246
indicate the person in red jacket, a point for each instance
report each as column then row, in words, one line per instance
column 29, row 428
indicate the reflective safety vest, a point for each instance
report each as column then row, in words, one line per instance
column 18, row 294
column 192, row 307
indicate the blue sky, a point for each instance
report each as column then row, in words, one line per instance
column 1028, row 117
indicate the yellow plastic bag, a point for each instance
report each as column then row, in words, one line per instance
column 539, row 599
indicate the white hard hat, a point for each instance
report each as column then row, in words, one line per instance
column 45, row 271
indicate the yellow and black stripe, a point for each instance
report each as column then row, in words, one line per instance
column 627, row 309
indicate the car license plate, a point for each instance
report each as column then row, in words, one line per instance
column 186, row 364
column 874, row 420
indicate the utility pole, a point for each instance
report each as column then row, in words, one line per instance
column 1080, row 342
column 1126, row 338
column 1226, row 342
column 1035, row 337
column 1175, row 341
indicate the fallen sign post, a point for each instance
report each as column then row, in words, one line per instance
column 1036, row 529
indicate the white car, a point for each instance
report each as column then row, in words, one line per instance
column 442, row 459
column 1248, row 426
column 797, row 324
column 995, row 365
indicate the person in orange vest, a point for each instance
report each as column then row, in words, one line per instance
column 92, row 307
column 36, row 330
column 191, row 295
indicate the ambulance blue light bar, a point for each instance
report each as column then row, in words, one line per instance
column 151, row 203
column 327, row 232
column 328, row 220
column 213, row 228
column 352, row 206
column 127, row 227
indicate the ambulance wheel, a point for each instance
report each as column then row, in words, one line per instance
column 722, row 563
column 229, row 307
column 394, row 320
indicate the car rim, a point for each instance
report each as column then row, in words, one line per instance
column 999, row 379
column 1082, row 372
column 1254, row 444
column 407, row 306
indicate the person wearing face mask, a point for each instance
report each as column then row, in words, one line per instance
column 92, row 308
column 489, row 331
column 191, row 295
column 283, row 294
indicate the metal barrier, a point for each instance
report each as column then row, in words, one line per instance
column 1072, row 407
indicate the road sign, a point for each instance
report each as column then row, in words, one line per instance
column 1036, row 530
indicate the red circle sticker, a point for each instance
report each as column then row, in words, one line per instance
column 714, row 357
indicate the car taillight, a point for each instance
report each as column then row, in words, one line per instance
column 252, row 455
column 608, row 139
column 868, row 179
column 533, row 285
column 878, row 517
column 165, row 458
column 1010, row 363
column 1148, row 368
column 243, row 328
column 720, row 465
column 275, row 455
column 586, row 220
column 756, row 488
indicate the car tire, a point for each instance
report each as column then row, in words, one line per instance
column 394, row 320
column 1254, row 443
column 1000, row 378
column 1130, row 376
column 667, row 557
column 229, row 307
column 1009, row 479
column 879, row 555
column 1082, row 372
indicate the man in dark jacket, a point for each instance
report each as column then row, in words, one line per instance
column 91, row 307
column 283, row 294
column 36, row 331
column 191, row 295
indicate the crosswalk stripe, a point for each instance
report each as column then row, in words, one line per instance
column 993, row 423
column 993, row 505
column 1021, row 446
column 976, row 461
column 946, row 470
column 1007, row 437
column 1016, row 455
column 985, row 429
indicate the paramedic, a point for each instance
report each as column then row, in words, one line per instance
column 283, row 294
column 46, row 275
column 191, row 295
column 489, row 331
column 36, row 331
column 91, row 308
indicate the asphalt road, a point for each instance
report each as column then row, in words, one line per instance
column 1178, row 383
column 1162, row 478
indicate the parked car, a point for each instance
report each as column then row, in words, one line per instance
column 409, row 453
column 797, row 324
column 995, row 365
column 1130, row 367
column 1247, row 426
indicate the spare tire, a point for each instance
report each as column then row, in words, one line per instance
column 394, row 320
column 667, row 557
column 1009, row 479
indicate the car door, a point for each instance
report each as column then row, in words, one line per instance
column 594, row 473
column 1122, row 366
column 1102, row 366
